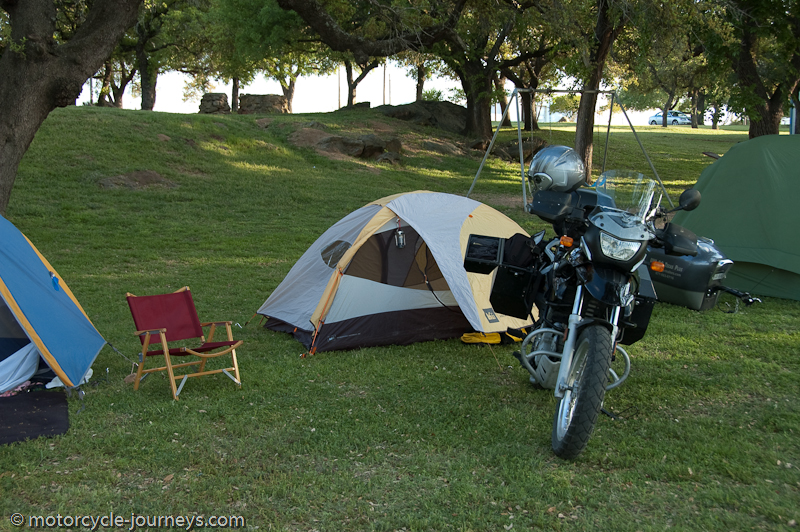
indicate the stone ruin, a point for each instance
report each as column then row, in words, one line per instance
column 263, row 104
column 214, row 103
column 217, row 103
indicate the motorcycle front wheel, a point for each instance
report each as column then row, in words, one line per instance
column 577, row 411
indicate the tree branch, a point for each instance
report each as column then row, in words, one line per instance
column 332, row 34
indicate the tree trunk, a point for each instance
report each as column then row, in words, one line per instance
column 351, row 86
column 45, row 75
column 235, row 95
column 422, row 75
column 605, row 34
column 715, row 117
column 666, row 109
column 477, row 85
column 701, row 108
column 529, row 121
column 765, row 119
column 500, row 87
column 105, row 87
column 147, row 80
column 288, row 92
column 765, row 116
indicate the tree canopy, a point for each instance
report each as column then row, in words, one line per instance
column 740, row 55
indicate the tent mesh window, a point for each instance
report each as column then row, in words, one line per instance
column 380, row 260
column 12, row 337
column 333, row 253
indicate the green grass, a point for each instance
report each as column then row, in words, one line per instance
column 433, row 436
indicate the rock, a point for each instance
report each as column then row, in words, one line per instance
column 373, row 146
column 263, row 104
column 394, row 145
column 388, row 157
column 335, row 143
column 355, row 107
column 443, row 147
column 443, row 115
column 479, row 144
column 316, row 125
column 214, row 103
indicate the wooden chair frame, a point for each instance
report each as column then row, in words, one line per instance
column 207, row 350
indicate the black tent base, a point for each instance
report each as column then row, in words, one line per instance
column 29, row 415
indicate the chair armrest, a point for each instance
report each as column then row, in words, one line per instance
column 151, row 331
column 213, row 325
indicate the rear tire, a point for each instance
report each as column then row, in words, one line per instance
column 577, row 412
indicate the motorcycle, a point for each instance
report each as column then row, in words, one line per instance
column 591, row 287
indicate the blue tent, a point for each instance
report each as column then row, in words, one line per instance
column 39, row 317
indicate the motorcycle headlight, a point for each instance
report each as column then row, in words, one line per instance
column 621, row 250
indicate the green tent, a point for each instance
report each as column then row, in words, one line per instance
column 750, row 204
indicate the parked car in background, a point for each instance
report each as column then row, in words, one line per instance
column 676, row 118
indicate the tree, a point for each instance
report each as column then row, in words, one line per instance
column 567, row 105
column 473, row 54
column 352, row 83
column 759, row 40
column 421, row 68
column 391, row 30
column 537, row 37
column 253, row 36
column 117, row 73
column 606, row 21
column 39, row 72
column 661, row 56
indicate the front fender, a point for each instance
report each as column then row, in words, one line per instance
column 604, row 285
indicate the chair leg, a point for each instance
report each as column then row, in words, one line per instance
column 138, row 379
column 236, row 368
column 170, row 372
column 229, row 331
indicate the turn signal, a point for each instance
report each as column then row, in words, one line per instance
column 566, row 241
column 657, row 266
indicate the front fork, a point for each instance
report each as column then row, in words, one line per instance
column 573, row 325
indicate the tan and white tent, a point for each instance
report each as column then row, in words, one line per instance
column 360, row 285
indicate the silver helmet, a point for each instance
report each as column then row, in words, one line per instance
column 557, row 168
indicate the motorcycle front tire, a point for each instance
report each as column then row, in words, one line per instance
column 577, row 411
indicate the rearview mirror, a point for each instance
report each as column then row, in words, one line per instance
column 689, row 200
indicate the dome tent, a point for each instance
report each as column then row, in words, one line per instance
column 359, row 285
column 39, row 317
column 749, row 199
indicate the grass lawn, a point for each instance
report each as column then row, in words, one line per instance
column 434, row 436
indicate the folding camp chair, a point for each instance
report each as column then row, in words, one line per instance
column 173, row 318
